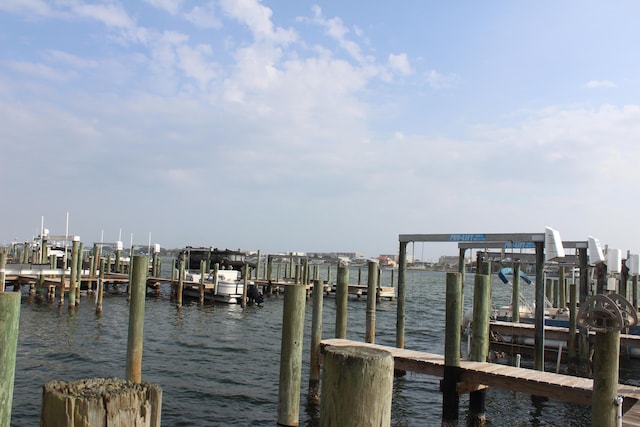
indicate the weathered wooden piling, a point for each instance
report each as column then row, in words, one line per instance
column 74, row 272
column 291, row 355
column 316, row 336
column 140, row 264
column 605, row 378
column 9, row 322
column 451, row 377
column 79, row 272
column 181, row 266
column 245, row 276
column 480, row 343
column 112, row 402
column 342, row 297
column 400, row 304
column 515, row 296
column 202, row 277
column 357, row 387
column 100, row 288
column 372, row 281
column 3, row 266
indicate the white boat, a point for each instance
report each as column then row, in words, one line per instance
column 228, row 287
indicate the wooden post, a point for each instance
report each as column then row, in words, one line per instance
column 634, row 291
column 202, row 277
column 181, row 263
column 100, row 402
column 79, row 275
column 258, row 266
column 140, row 264
column 269, row 268
column 245, row 277
column 538, row 356
column 316, row 336
column 562, row 288
column 515, row 297
column 100, row 289
column 342, row 297
column 573, row 315
column 291, row 355
column 3, row 266
column 74, row 272
column 357, row 387
column 372, row 281
column 480, row 343
column 450, row 397
column 9, row 323
column 583, row 260
column 400, row 307
column 605, row 378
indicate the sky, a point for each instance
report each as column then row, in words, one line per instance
column 319, row 126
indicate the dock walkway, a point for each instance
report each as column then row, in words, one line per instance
column 475, row 375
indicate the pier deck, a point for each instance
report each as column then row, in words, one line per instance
column 475, row 375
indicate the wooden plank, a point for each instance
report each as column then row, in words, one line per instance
column 556, row 386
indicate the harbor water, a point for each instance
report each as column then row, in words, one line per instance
column 218, row 365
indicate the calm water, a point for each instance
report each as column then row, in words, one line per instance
column 219, row 365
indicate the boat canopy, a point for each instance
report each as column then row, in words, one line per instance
column 508, row 270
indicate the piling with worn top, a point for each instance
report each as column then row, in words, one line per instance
column 453, row 315
column 480, row 343
column 605, row 378
column 74, row 273
column 370, row 333
column 342, row 297
column 291, row 355
column 357, row 387
column 9, row 322
column 140, row 264
column 400, row 305
column 3, row 266
column 515, row 298
column 316, row 336
column 112, row 402
column 100, row 289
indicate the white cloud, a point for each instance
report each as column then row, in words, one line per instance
column 171, row 6
column 258, row 19
column 593, row 84
column 39, row 71
column 400, row 63
column 204, row 16
column 31, row 7
column 441, row 81
column 112, row 15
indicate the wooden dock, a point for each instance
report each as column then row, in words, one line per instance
column 476, row 375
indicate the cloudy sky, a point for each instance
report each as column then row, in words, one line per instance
column 319, row 125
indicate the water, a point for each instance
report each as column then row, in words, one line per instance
column 218, row 365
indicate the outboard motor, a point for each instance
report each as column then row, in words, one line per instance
column 254, row 295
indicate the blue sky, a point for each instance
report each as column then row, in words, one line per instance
column 319, row 126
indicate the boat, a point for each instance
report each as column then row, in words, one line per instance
column 227, row 288
column 226, row 259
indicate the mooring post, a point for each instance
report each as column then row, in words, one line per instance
column 479, row 343
column 515, row 296
column 100, row 289
column 74, row 272
column 181, row 263
column 245, row 278
column 372, row 281
column 3, row 266
column 291, row 355
column 357, row 387
column 316, row 336
column 605, row 378
column 100, row 402
column 400, row 304
column 342, row 297
column 258, row 265
column 562, row 287
column 202, row 277
column 9, row 321
column 79, row 275
column 573, row 322
column 450, row 397
column 538, row 356
column 136, row 317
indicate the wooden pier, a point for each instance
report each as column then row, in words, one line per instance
column 478, row 375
